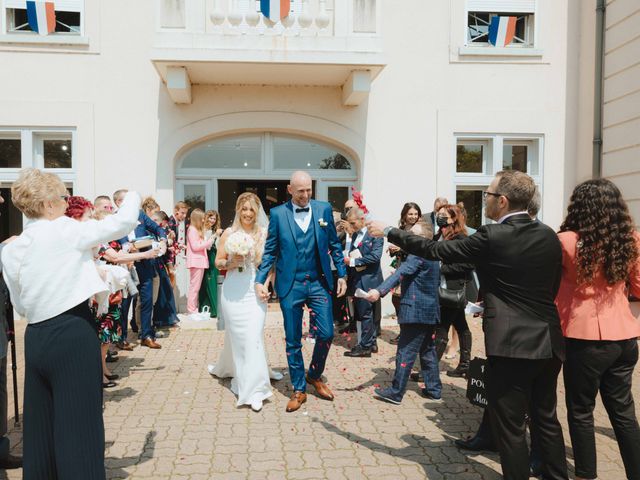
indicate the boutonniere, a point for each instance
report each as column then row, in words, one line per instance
column 322, row 223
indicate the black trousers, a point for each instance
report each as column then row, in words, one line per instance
column 63, row 427
column 514, row 386
column 606, row 366
column 448, row 317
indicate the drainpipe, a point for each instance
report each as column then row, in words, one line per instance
column 599, row 89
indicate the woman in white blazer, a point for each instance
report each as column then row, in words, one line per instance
column 51, row 275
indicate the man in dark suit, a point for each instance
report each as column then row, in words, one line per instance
column 7, row 461
column 519, row 265
column 364, row 272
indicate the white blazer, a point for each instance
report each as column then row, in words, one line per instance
column 50, row 267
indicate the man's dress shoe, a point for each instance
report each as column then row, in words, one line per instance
column 296, row 401
column 476, row 444
column 321, row 389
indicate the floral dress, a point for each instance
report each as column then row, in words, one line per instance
column 109, row 329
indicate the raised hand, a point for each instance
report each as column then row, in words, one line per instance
column 376, row 228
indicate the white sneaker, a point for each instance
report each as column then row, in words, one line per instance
column 256, row 406
column 211, row 368
column 275, row 375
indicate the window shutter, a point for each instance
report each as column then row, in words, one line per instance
column 496, row 6
column 62, row 5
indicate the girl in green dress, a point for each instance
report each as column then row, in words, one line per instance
column 209, row 288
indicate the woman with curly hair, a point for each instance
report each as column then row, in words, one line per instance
column 600, row 257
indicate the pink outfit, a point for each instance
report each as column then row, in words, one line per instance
column 597, row 311
column 197, row 262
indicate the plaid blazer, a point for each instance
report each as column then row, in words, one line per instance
column 419, row 280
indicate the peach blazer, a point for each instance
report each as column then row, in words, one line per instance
column 197, row 249
column 599, row 311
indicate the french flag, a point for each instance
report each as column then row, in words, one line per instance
column 275, row 10
column 41, row 17
column 501, row 31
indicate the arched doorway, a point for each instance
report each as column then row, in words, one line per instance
column 213, row 173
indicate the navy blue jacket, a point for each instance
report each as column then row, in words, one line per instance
column 146, row 268
column 371, row 251
column 419, row 280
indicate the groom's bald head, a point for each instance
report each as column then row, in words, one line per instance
column 300, row 188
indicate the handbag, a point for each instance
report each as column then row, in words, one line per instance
column 476, row 388
column 450, row 298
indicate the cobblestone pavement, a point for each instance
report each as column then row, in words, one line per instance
column 168, row 419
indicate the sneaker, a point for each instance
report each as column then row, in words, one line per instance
column 256, row 406
column 431, row 398
column 385, row 394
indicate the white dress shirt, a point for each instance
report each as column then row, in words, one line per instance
column 356, row 239
column 303, row 219
column 50, row 267
column 502, row 219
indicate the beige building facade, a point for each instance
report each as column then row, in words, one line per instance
column 204, row 99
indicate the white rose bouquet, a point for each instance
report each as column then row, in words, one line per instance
column 239, row 243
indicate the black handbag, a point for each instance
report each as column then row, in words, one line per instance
column 450, row 298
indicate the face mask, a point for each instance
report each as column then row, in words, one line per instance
column 442, row 221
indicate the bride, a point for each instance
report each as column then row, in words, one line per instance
column 243, row 357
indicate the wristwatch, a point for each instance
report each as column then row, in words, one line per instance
column 386, row 231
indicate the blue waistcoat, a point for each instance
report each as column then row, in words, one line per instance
column 308, row 261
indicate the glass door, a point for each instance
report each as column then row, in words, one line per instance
column 196, row 193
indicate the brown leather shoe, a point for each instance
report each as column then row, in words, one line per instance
column 321, row 389
column 151, row 343
column 297, row 399
column 124, row 346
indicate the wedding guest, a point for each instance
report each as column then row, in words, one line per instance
column 7, row 461
column 103, row 202
column 457, row 276
column 430, row 218
column 419, row 313
column 364, row 273
column 118, row 198
column 63, row 427
column 147, row 271
column 209, row 287
column 165, row 313
column 409, row 215
column 178, row 224
column 343, row 306
column 519, row 264
column 197, row 260
column 600, row 258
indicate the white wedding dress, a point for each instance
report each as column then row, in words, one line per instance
column 243, row 357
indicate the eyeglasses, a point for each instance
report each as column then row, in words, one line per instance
column 65, row 198
column 486, row 193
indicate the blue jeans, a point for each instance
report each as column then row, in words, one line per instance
column 364, row 314
column 164, row 311
column 314, row 294
column 416, row 338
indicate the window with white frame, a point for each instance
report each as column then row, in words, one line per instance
column 501, row 23
column 480, row 157
column 68, row 17
column 48, row 149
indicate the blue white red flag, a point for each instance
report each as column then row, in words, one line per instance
column 275, row 10
column 41, row 17
column 502, row 30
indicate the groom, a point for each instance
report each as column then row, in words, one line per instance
column 301, row 237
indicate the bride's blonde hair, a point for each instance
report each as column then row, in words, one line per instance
column 258, row 235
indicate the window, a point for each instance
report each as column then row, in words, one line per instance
column 479, row 157
column 238, row 152
column 10, row 150
column 482, row 13
column 291, row 153
column 68, row 17
column 53, row 150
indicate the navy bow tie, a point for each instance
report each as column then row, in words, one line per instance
column 300, row 210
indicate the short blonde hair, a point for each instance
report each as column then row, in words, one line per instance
column 33, row 189
column 180, row 205
column 149, row 203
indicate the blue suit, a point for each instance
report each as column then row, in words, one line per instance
column 147, row 270
column 418, row 314
column 303, row 277
column 370, row 277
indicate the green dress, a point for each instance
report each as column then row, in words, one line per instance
column 209, row 287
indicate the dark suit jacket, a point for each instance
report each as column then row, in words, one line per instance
column 146, row 268
column 419, row 280
column 519, row 263
column 371, row 251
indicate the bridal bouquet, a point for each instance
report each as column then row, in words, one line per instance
column 239, row 243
